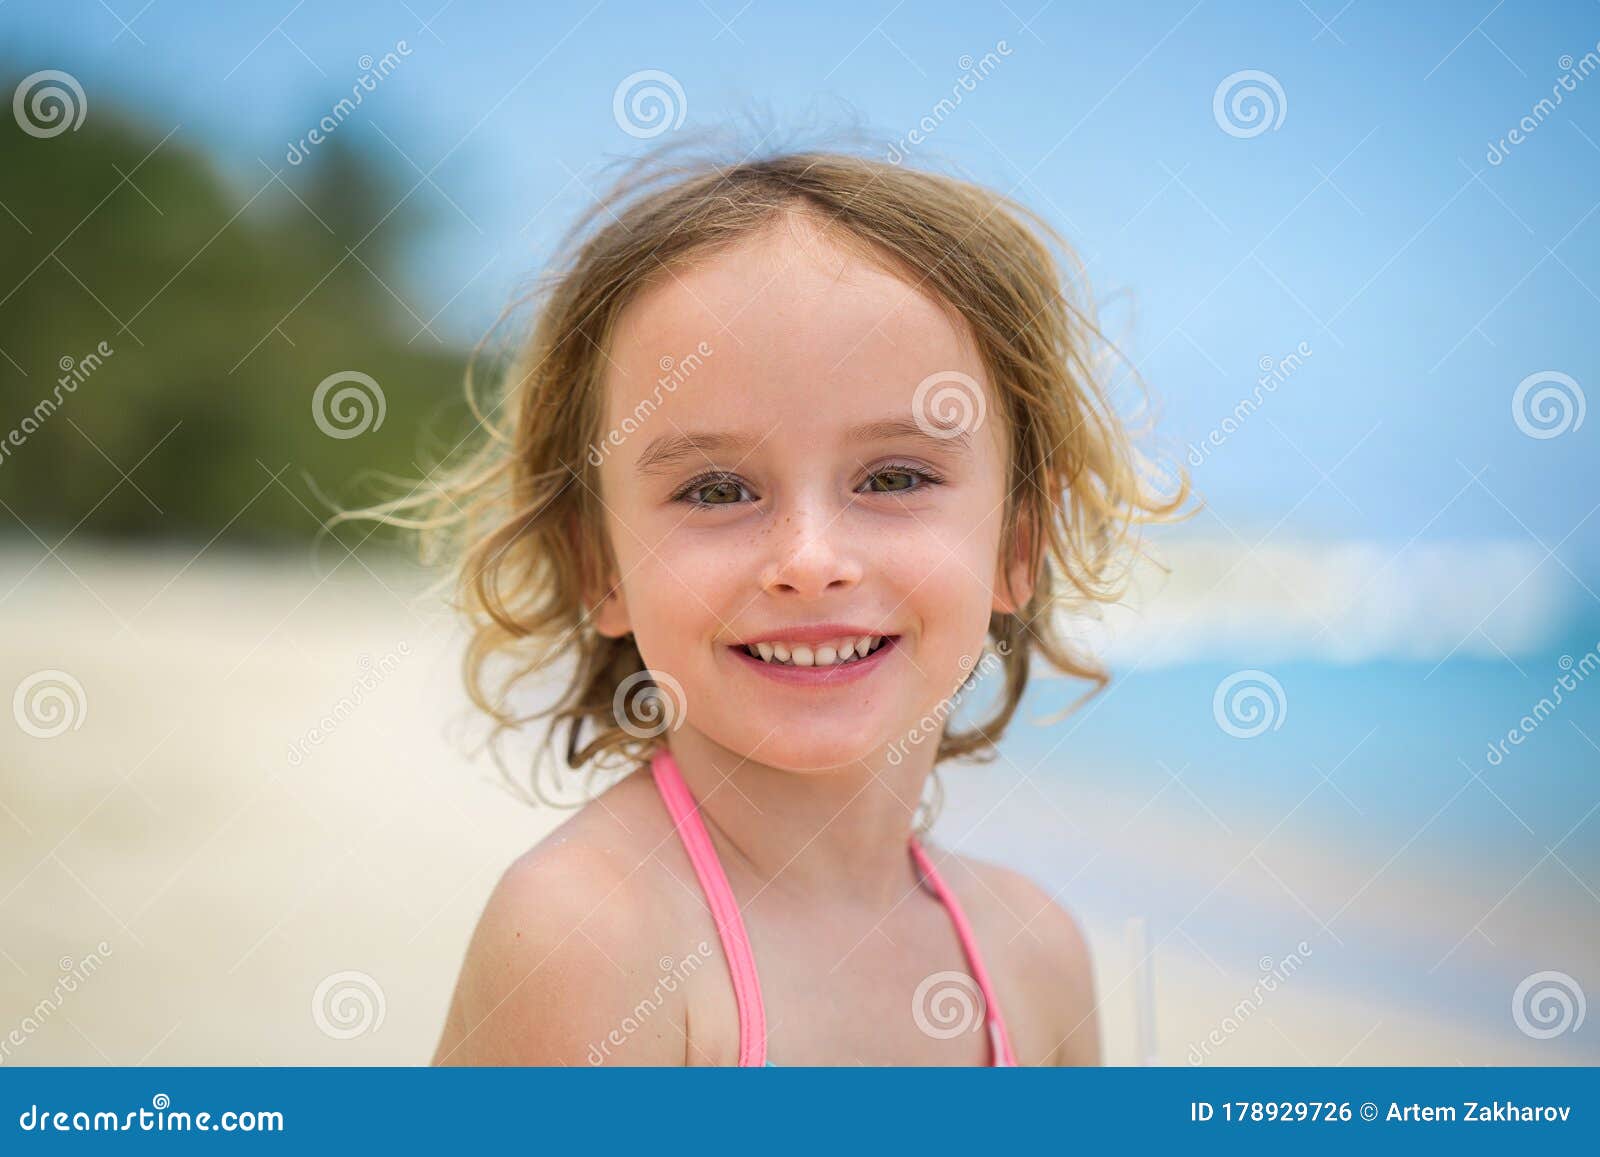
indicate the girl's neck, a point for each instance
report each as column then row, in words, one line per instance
column 840, row 833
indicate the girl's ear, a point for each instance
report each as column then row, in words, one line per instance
column 603, row 599
column 1014, row 579
column 610, row 616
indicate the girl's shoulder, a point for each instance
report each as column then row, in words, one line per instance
column 569, row 962
column 1037, row 958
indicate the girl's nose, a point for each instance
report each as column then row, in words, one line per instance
column 815, row 555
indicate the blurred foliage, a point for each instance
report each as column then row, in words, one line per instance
column 225, row 302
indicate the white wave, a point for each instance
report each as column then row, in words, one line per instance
column 1345, row 602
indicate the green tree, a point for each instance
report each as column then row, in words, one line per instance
column 223, row 305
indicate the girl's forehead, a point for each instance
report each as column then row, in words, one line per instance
column 784, row 316
column 786, row 296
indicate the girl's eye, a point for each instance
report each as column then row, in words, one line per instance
column 711, row 490
column 727, row 489
column 901, row 480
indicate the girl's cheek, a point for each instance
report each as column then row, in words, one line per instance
column 689, row 584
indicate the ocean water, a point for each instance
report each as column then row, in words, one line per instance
column 1358, row 812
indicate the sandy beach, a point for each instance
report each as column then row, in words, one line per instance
column 266, row 832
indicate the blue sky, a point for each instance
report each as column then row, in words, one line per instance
column 1368, row 224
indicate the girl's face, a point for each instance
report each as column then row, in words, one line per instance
column 772, row 474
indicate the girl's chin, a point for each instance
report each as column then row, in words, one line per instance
column 806, row 752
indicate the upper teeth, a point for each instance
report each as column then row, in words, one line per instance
column 816, row 654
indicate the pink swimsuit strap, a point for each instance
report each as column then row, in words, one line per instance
column 685, row 813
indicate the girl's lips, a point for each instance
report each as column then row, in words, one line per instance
column 834, row 675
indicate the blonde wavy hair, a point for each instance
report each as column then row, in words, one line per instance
column 518, row 519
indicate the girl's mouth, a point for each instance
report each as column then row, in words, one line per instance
column 811, row 664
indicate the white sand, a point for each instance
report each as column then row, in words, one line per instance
column 228, row 883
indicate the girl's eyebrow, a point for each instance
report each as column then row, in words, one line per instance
column 669, row 450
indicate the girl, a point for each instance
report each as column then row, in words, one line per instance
column 799, row 450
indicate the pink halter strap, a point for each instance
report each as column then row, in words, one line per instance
column 702, row 854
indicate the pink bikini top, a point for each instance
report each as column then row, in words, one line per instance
column 736, row 944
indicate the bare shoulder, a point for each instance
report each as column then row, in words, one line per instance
column 1039, row 958
column 564, row 966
